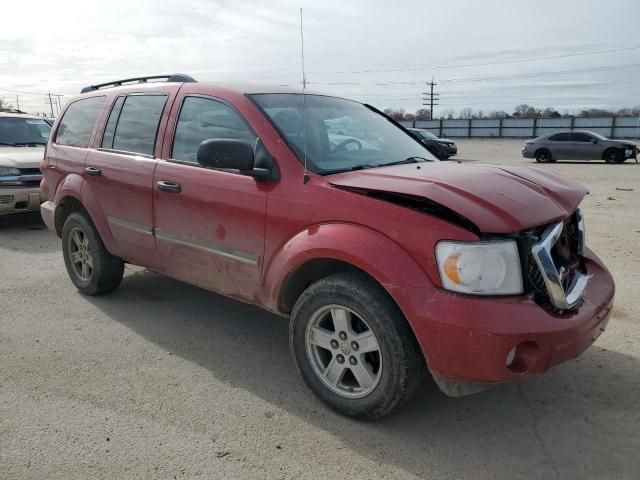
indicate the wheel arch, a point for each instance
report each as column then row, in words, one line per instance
column 326, row 249
column 543, row 149
column 74, row 196
column 609, row 149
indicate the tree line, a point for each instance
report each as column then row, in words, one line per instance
column 521, row 111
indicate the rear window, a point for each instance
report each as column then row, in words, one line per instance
column 560, row 137
column 78, row 121
column 133, row 124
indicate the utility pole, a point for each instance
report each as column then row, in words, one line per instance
column 59, row 103
column 17, row 102
column 50, row 102
column 430, row 98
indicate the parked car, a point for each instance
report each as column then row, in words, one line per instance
column 22, row 141
column 578, row 145
column 386, row 262
column 443, row 148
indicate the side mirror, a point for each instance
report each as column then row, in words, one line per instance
column 594, row 140
column 226, row 153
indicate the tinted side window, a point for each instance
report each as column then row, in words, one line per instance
column 78, row 121
column 203, row 118
column 138, row 124
column 581, row 137
column 559, row 137
column 110, row 129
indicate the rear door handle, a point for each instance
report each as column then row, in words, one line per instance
column 93, row 171
column 168, row 186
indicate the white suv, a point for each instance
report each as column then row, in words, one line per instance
column 22, row 141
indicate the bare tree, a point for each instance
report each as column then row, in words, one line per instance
column 395, row 113
column 423, row 114
column 449, row 113
column 466, row 112
column 498, row 114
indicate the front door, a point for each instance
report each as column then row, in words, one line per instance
column 209, row 224
column 584, row 147
column 120, row 174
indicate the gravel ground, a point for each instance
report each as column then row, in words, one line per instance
column 164, row 380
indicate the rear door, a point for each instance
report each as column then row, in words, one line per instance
column 209, row 224
column 560, row 146
column 119, row 174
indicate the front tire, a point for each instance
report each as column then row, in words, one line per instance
column 353, row 347
column 92, row 269
column 613, row 156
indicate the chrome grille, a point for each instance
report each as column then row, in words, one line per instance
column 557, row 257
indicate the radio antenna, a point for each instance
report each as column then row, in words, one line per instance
column 305, row 177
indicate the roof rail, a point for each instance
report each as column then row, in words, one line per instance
column 173, row 77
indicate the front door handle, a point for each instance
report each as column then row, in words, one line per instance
column 93, row 171
column 168, row 186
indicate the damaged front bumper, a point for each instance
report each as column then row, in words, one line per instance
column 471, row 343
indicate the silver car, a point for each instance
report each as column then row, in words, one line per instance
column 578, row 145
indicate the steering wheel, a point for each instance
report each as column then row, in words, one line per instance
column 343, row 144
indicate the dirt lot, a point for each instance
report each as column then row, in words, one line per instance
column 164, row 380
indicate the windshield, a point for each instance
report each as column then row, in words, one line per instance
column 598, row 136
column 427, row 135
column 18, row 131
column 340, row 134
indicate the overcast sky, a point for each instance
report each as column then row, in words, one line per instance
column 374, row 51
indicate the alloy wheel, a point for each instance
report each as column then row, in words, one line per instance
column 343, row 351
column 80, row 254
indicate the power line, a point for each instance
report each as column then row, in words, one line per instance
column 484, row 64
column 497, row 77
column 464, row 65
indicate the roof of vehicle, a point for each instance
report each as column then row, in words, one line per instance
column 20, row 115
column 155, row 81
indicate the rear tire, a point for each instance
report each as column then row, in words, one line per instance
column 353, row 347
column 613, row 156
column 92, row 269
column 544, row 156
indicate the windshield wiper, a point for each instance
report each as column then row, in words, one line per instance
column 350, row 169
column 405, row 161
column 5, row 143
column 23, row 144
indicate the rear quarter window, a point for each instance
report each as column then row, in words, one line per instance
column 78, row 121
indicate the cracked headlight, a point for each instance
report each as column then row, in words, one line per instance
column 480, row 268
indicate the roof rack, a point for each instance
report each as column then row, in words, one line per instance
column 173, row 77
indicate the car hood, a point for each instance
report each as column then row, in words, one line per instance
column 621, row 143
column 496, row 199
column 21, row 157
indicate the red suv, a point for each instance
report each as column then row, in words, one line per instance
column 328, row 212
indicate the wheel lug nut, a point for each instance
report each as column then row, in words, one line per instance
column 340, row 358
column 343, row 335
column 355, row 346
column 352, row 360
column 334, row 344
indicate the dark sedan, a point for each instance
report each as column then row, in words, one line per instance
column 442, row 148
column 578, row 145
